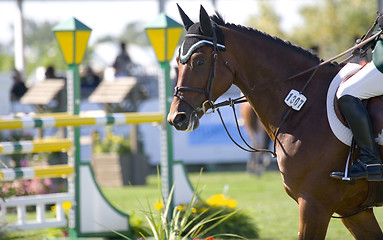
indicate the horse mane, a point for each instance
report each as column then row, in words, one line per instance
column 219, row 20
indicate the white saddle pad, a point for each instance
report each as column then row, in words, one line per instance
column 340, row 131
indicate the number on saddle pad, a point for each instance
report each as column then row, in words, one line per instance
column 295, row 100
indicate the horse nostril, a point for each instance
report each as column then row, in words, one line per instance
column 179, row 119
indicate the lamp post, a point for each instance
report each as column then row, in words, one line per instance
column 72, row 36
column 164, row 34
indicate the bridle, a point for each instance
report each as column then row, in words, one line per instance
column 208, row 105
column 208, row 91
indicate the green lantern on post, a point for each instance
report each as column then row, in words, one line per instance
column 72, row 36
column 164, row 34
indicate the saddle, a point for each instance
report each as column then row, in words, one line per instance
column 375, row 108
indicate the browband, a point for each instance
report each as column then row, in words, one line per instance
column 185, row 58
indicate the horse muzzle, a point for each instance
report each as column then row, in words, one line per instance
column 183, row 122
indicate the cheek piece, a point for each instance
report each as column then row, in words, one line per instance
column 184, row 57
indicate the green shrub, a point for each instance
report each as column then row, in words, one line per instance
column 238, row 224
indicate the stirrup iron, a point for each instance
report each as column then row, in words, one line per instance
column 346, row 178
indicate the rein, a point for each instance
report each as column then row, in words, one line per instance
column 231, row 103
column 366, row 39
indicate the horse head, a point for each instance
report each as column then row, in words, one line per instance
column 204, row 75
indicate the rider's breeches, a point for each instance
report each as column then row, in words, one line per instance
column 365, row 84
column 368, row 81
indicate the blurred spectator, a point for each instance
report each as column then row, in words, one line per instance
column 51, row 73
column 18, row 88
column 60, row 103
column 90, row 79
column 122, row 64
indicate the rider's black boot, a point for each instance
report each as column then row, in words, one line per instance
column 369, row 164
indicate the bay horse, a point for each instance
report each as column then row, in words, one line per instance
column 215, row 55
column 259, row 139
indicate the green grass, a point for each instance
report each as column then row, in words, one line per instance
column 263, row 198
column 38, row 234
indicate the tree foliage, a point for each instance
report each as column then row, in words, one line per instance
column 334, row 25
column 6, row 61
column 134, row 33
column 267, row 20
column 330, row 25
column 41, row 47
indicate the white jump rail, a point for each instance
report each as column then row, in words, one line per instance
column 41, row 202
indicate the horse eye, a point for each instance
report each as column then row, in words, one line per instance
column 199, row 62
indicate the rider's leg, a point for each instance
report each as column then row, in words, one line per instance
column 369, row 164
column 366, row 83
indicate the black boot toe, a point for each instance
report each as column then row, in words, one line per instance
column 359, row 171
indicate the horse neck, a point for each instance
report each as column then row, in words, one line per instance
column 261, row 63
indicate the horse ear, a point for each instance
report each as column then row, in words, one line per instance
column 185, row 19
column 204, row 20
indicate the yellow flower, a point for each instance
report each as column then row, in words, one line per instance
column 96, row 136
column 216, row 200
column 232, row 203
column 110, row 136
column 221, row 200
column 67, row 205
column 116, row 139
column 158, row 205
column 194, row 210
column 180, row 208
